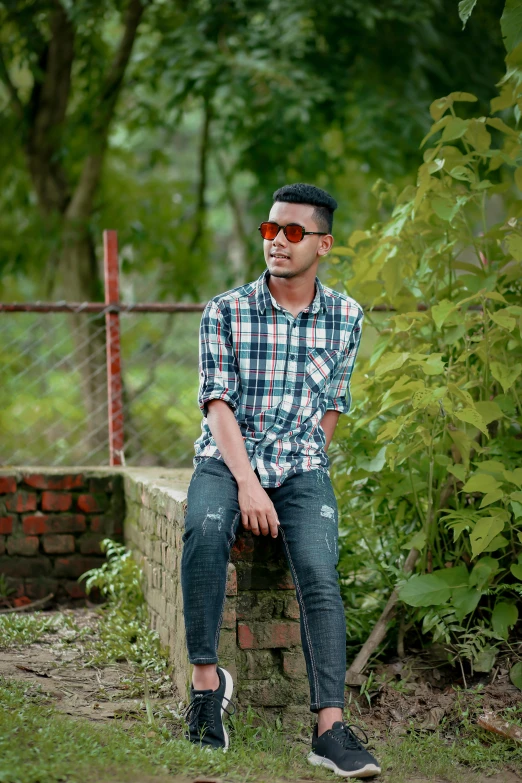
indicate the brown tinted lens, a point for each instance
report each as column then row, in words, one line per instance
column 294, row 232
column 269, row 230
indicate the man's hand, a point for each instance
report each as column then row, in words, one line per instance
column 257, row 510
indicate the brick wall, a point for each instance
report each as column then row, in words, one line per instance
column 51, row 525
column 260, row 637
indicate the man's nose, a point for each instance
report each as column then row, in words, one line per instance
column 280, row 236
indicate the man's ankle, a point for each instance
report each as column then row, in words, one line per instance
column 205, row 677
column 327, row 717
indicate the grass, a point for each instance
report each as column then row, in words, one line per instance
column 38, row 744
column 23, row 629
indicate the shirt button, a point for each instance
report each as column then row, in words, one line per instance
column 292, row 356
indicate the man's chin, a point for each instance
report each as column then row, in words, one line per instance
column 281, row 273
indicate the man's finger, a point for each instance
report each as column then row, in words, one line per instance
column 244, row 520
column 254, row 527
column 274, row 524
column 263, row 524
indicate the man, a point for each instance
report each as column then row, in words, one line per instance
column 276, row 357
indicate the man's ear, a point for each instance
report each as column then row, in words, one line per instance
column 325, row 245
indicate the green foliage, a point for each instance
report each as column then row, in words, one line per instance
column 23, row 629
column 124, row 632
column 430, row 456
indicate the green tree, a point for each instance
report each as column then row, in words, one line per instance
column 429, row 459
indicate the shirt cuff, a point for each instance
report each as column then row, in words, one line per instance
column 217, row 394
column 341, row 405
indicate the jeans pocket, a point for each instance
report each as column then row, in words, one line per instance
column 319, row 368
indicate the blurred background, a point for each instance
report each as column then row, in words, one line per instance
column 173, row 123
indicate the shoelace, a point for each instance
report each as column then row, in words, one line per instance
column 200, row 711
column 347, row 737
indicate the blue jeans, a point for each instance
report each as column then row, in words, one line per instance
column 307, row 510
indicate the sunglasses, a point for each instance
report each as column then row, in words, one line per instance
column 293, row 231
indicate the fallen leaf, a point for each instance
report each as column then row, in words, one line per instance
column 491, row 722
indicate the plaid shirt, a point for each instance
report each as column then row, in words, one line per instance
column 279, row 374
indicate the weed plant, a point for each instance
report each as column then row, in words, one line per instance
column 124, row 633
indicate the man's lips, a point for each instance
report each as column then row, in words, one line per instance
column 280, row 256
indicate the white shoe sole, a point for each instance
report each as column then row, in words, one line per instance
column 367, row 771
column 229, row 687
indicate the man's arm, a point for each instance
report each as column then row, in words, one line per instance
column 329, row 423
column 218, row 396
column 257, row 510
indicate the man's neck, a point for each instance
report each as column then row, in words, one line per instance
column 294, row 294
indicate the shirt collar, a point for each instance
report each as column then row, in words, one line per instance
column 265, row 299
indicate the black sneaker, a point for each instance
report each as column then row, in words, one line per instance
column 340, row 750
column 204, row 714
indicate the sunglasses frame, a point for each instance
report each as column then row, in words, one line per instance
column 294, row 242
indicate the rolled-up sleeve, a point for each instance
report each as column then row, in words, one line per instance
column 218, row 369
column 339, row 396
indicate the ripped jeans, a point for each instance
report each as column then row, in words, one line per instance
column 307, row 510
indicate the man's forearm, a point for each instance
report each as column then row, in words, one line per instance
column 229, row 440
column 329, row 423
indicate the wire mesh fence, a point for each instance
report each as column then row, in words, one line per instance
column 53, row 391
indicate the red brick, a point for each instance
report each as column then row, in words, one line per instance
column 41, row 481
column 53, row 523
column 292, row 609
column 229, row 615
column 294, row 665
column 58, row 544
column 56, row 501
column 6, row 525
column 23, row 545
column 100, row 524
column 25, row 567
column 22, row 601
column 92, row 504
column 75, row 589
column 90, row 544
column 21, row 501
column 34, row 524
column 259, row 636
column 7, row 484
column 76, row 565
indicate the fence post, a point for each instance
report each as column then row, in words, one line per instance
column 112, row 331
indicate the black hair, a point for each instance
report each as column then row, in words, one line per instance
column 301, row 193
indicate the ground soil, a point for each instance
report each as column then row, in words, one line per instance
column 415, row 693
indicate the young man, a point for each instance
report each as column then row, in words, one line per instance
column 276, row 356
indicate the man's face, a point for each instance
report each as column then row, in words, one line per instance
column 288, row 259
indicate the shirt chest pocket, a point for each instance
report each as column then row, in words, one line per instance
column 319, row 368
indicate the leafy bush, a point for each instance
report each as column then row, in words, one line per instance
column 429, row 458
column 124, row 632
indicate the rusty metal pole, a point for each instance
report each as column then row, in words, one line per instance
column 112, row 331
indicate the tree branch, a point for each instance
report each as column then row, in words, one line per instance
column 17, row 104
column 81, row 201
